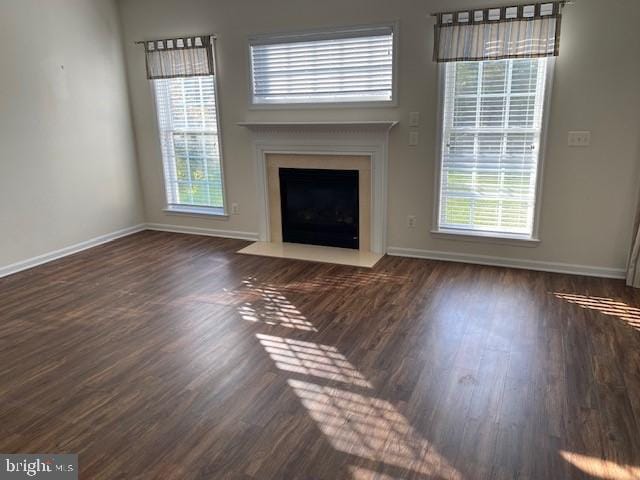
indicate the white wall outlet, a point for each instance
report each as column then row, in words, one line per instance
column 413, row 138
column 235, row 209
column 414, row 119
column 579, row 139
column 411, row 221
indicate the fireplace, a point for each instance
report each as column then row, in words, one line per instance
column 321, row 146
column 320, row 206
column 351, row 145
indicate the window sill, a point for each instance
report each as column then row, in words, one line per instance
column 197, row 211
column 486, row 237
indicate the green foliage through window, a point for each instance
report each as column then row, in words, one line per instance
column 190, row 144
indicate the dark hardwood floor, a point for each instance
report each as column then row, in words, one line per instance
column 169, row 356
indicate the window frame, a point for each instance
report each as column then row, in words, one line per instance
column 328, row 33
column 195, row 210
column 485, row 236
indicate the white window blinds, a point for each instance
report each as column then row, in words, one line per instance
column 189, row 138
column 354, row 65
column 491, row 144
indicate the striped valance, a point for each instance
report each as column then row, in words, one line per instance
column 179, row 57
column 523, row 31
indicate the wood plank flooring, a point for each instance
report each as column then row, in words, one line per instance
column 170, row 356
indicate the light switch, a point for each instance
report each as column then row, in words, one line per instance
column 414, row 119
column 413, row 138
column 579, row 139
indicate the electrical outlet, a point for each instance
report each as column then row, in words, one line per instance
column 413, row 138
column 411, row 221
column 235, row 209
column 579, row 139
column 414, row 119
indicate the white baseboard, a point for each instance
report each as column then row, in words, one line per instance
column 70, row 250
column 252, row 236
column 210, row 232
column 509, row 262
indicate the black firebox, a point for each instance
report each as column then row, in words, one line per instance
column 320, row 207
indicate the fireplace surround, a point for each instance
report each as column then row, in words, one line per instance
column 360, row 145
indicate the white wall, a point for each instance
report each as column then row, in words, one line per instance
column 589, row 193
column 68, row 168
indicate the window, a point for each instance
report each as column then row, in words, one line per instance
column 348, row 65
column 491, row 132
column 189, row 135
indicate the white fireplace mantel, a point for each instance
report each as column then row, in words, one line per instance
column 370, row 138
column 352, row 125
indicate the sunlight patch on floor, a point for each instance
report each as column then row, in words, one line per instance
column 370, row 428
column 307, row 358
column 271, row 307
column 607, row 306
column 342, row 281
column 360, row 473
column 599, row 468
column 338, row 397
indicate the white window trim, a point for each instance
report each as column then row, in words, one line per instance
column 328, row 32
column 191, row 209
column 492, row 237
column 195, row 211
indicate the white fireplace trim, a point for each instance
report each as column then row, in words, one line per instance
column 326, row 138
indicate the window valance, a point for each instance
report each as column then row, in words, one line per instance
column 179, row 57
column 523, row 31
